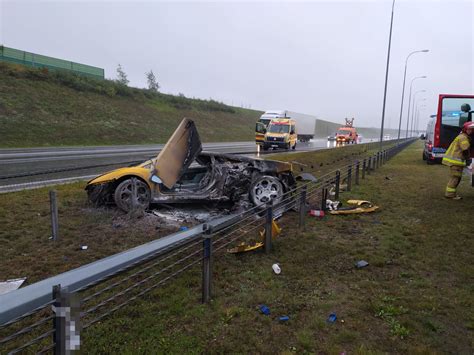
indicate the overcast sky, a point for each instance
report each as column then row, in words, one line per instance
column 325, row 58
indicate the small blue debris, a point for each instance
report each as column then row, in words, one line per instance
column 284, row 318
column 183, row 228
column 332, row 318
column 264, row 309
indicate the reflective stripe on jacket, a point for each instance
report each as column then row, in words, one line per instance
column 454, row 154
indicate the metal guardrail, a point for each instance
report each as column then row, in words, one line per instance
column 90, row 293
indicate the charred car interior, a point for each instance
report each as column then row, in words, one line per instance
column 182, row 173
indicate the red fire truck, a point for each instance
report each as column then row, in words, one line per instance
column 453, row 112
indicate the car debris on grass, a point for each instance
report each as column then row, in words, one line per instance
column 356, row 206
column 248, row 246
column 361, row 264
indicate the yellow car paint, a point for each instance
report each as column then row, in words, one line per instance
column 137, row 171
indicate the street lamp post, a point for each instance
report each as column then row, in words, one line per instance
column 403, row 87
column 417, row 118
column 415, row 103
column 409, row 100
column 386, row 76
column 415, row 108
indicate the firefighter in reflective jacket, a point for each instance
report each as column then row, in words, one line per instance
column 456, row 157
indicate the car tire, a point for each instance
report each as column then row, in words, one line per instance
column 424, row 156
column 287, row 146
column 266, row 189
column 123, row 195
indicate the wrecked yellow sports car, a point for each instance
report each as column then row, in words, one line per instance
column 182, row 173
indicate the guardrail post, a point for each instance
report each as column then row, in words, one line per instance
column 66, row 336
column 324, row 197
column 369, row 165
column 206, row 264
column 59, row 336
column 134, row 199
column 302, row 207
column 364, row 168
column 337, row 185
column 268, row 228
column 349, row 178
column 53, row 204
column 357, row 172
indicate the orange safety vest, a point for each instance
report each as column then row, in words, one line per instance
column 454, row 154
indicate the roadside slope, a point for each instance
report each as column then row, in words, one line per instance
column 40, row 108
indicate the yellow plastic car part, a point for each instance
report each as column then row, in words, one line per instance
column 276, row 230
column 359, row 202
column 243, row 247
column 363, row 206
column 356, row 210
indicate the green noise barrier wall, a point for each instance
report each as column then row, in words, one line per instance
column 41, row 61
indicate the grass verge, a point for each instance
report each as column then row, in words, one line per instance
column 414, row 297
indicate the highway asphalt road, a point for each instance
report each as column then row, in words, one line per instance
column 34, row 167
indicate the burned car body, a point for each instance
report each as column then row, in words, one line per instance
column 182, row 173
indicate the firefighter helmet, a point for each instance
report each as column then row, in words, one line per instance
column 467, row 125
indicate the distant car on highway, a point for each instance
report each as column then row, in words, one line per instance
column 360, row 138
column 386, row 137
column 332, row 137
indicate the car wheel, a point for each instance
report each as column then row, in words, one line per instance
column 123, row 195
column 424, row 155
column 288, row 145
column 266, row 189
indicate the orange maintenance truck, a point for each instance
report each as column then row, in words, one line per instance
column 347, row 133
